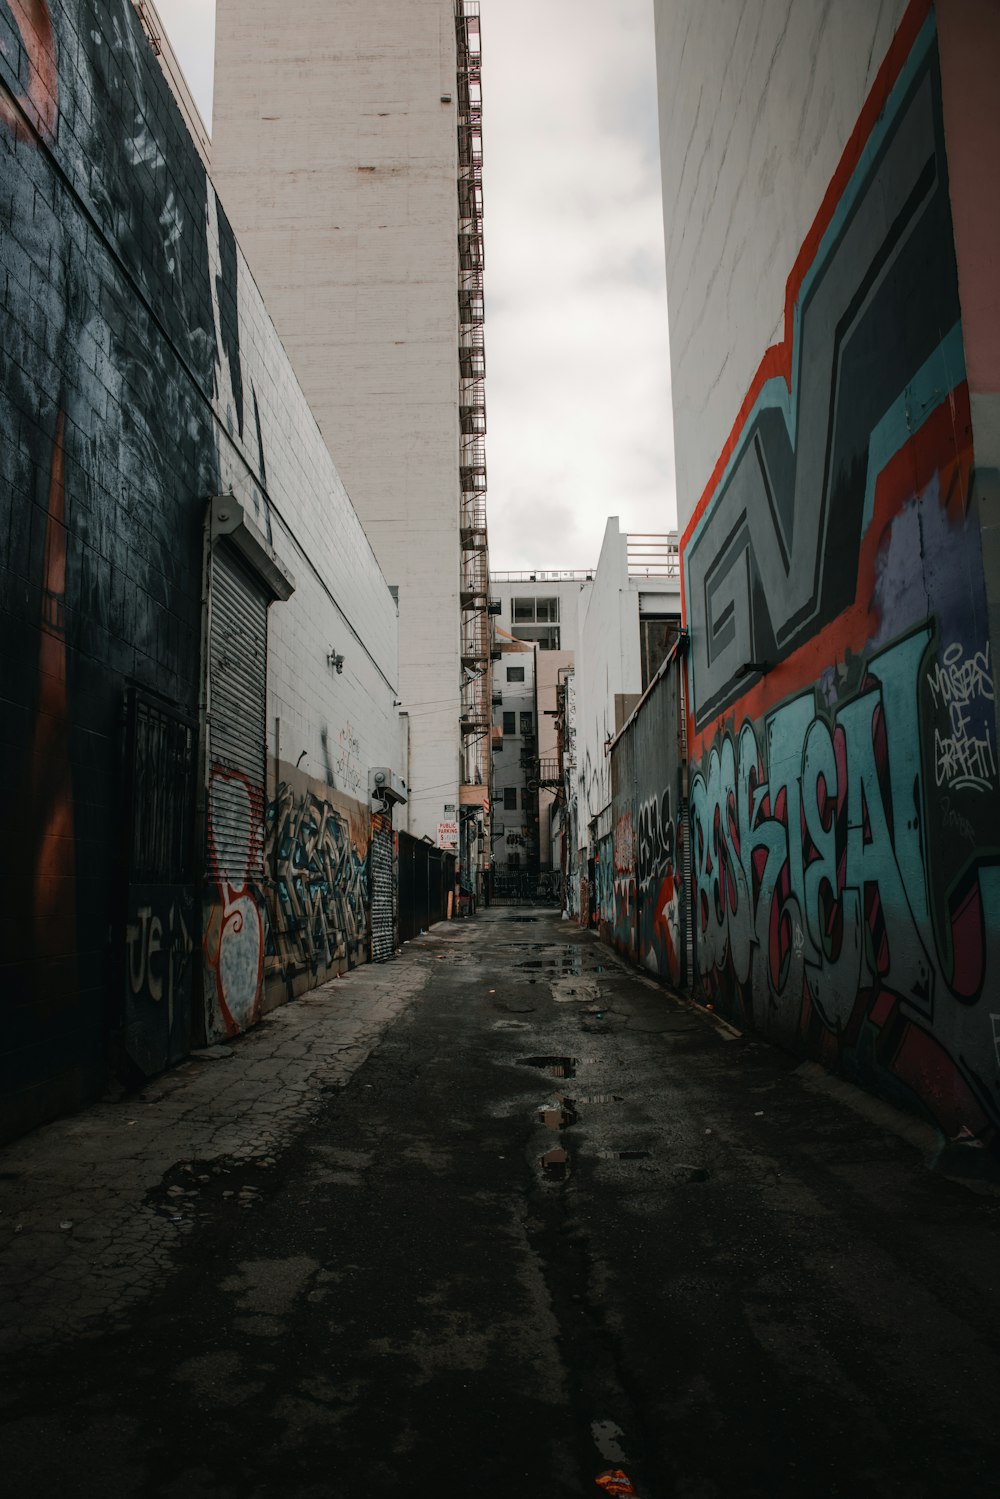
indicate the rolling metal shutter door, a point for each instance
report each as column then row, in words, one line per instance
column 380, row 868
column 237, row 706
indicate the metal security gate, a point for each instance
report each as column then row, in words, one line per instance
column 426, row 878
column 382, row 888
column 160, row 919
column 237, row 678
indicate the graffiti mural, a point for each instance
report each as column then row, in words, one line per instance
column 658, row 884
column 646, row 762
column 844, row 815
column 317, row 893
column 233, row 940
column 604, row 896
column 622, row 892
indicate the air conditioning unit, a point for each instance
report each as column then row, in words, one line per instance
column 385, row 785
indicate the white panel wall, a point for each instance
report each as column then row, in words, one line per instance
column 341, row 600
column 744, row 170
column 607, row 663
column 336, row 160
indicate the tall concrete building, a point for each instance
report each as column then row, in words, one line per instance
column 347, row 148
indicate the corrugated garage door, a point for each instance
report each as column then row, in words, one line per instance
column 237, row 687
column 237, row 667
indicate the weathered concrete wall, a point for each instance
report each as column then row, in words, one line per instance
column 842, row 724
column 139, row 375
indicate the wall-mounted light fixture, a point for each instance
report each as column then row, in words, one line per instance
column 337, row 662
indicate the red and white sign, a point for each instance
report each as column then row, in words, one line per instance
column 447, row 834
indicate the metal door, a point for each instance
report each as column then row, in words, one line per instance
column 160, row 920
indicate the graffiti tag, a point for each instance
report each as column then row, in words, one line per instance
column 818, row 832
column 318, row 894
column 964, row 755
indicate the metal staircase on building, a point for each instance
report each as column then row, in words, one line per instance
column 477, row 635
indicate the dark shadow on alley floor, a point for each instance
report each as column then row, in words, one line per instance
column 556, row 1223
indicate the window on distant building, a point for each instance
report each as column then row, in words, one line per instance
column 546, row 637
column 526, row 723
column 535, row 611
column 515, row 673
column 509, row 720
column 510, row 798
column 526, row 800
column 513, row 860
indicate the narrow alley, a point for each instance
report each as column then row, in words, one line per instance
column 496, row 1219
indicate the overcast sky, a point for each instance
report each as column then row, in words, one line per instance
column 578, row 385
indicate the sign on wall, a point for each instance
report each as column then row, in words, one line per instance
column 447, row 834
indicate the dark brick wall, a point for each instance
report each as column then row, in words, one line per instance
column 108, row 370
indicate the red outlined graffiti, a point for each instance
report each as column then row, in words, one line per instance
column 233, row 943
column 843, row 741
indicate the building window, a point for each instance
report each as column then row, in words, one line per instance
column 526, row 723
column 535, row 611
column 526, row 799
column 513, row 860
column 510, row 798
column 515, row 673
column 509, row 720
column 546, row 637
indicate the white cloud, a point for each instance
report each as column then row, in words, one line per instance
column 576, row 335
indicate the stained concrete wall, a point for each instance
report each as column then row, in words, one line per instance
column 842, row 728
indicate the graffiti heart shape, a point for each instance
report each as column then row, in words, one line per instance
column 241, row 951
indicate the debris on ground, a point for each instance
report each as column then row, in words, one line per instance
column 615, row 1481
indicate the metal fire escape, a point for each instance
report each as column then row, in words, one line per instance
column 475, row 605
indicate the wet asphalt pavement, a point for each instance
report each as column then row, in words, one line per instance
column 546, row 1223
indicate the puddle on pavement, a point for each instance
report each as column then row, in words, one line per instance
column 554, row 1066
column 558, row 1116
column 602, row 1098
column 555, row 1164
column 624, row 1155
column 524, row 919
